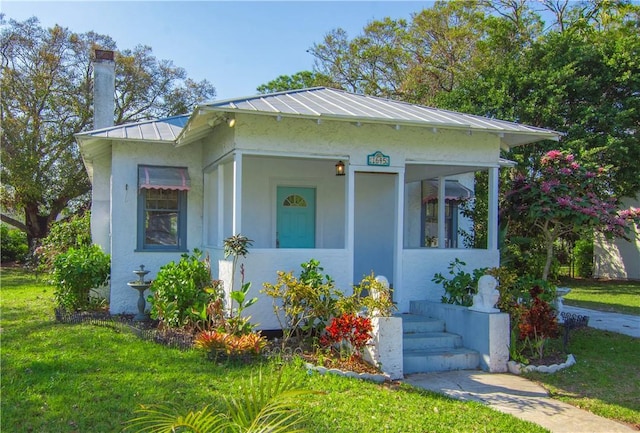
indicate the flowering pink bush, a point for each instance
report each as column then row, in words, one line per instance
column 562, row 197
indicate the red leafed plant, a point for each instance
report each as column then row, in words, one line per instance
column 348, row 332
column 538, row 323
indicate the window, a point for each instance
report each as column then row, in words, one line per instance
column 162, row 208
column 454, row 194
column 430, row 213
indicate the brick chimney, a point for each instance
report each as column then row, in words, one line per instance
column 104, row 89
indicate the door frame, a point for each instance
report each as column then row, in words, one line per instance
column 396, row 281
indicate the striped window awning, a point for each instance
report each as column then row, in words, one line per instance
column 155, row 177
column 453, row 190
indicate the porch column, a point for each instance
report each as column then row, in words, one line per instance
column 220, row 205
column 492, row 232
column 441, row 211
column 350, row 209
column 237, row 194
column 397, row 266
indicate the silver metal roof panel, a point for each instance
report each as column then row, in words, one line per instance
column 321, row 102
column 154, row 130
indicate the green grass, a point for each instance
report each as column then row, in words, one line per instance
column 612, row 296
column 84, row 378
column 605, row 379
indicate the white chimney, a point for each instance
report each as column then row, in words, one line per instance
column 104, row 89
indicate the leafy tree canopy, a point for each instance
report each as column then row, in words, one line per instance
column 47, row 96
column 299, row 80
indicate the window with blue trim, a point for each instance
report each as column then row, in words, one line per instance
column 162, row 208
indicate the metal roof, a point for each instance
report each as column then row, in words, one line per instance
column 323, row 103
column 166, row 129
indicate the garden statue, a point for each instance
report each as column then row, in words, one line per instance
column 487, row 296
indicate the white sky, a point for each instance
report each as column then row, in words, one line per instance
column 236, row 45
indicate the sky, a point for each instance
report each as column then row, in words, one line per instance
column 235, row 45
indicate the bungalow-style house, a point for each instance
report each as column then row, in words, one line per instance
column 351, row 180
column 360, row 183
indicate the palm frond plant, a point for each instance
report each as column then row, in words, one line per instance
column 268, row 405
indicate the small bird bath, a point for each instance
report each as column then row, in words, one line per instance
column 140, row 285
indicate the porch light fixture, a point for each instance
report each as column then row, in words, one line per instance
column 340, row 168
column 231, row 122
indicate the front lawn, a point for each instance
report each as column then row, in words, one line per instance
column 612, row 296
column 86, row 378
column 605, row 379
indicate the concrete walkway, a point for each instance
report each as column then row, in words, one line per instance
column 517, row 396
column 621, row 323
column 525, row 399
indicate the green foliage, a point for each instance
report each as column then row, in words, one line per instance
column 182, row 291
column 583, row 257
column 562, row 198
column 47, row 380
column 460, row 288
column 299, row 80
column 236, row 246
column 269, row 404
column 370, row 295
column 47, row 97
column 74, row 232
column 76, row 273
column 307, row 303
column 14, row 246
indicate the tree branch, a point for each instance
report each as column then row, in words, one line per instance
column 17, row 224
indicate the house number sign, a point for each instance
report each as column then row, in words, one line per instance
column 378, row 158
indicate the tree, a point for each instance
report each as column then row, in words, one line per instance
column 47, row 88
column 373, row 63
column 299, row 80
column 562, row 197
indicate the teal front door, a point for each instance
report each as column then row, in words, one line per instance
column 296, row 217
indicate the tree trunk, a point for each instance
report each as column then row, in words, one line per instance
column 547, row 263
column 37, row 225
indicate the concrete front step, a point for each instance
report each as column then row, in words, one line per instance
column 426, row 361
column 428, row 348
column 431, row 340
column 412, row 324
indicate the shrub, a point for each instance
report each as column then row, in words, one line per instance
column 459, row 289
column 76, row 273
column 348, row 333
column 74, row 232
column 370, row 295
column 537, row 323
column 14, row 246
column 583, row 256
column 308, row 302
column 230, row 346
column 182, row 291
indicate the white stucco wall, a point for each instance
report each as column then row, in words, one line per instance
column 618, row 259
column 261, row 265
column 293, row 136
column 124, row 207
column 101, row 202
column 420, row 265
column 263, row 175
